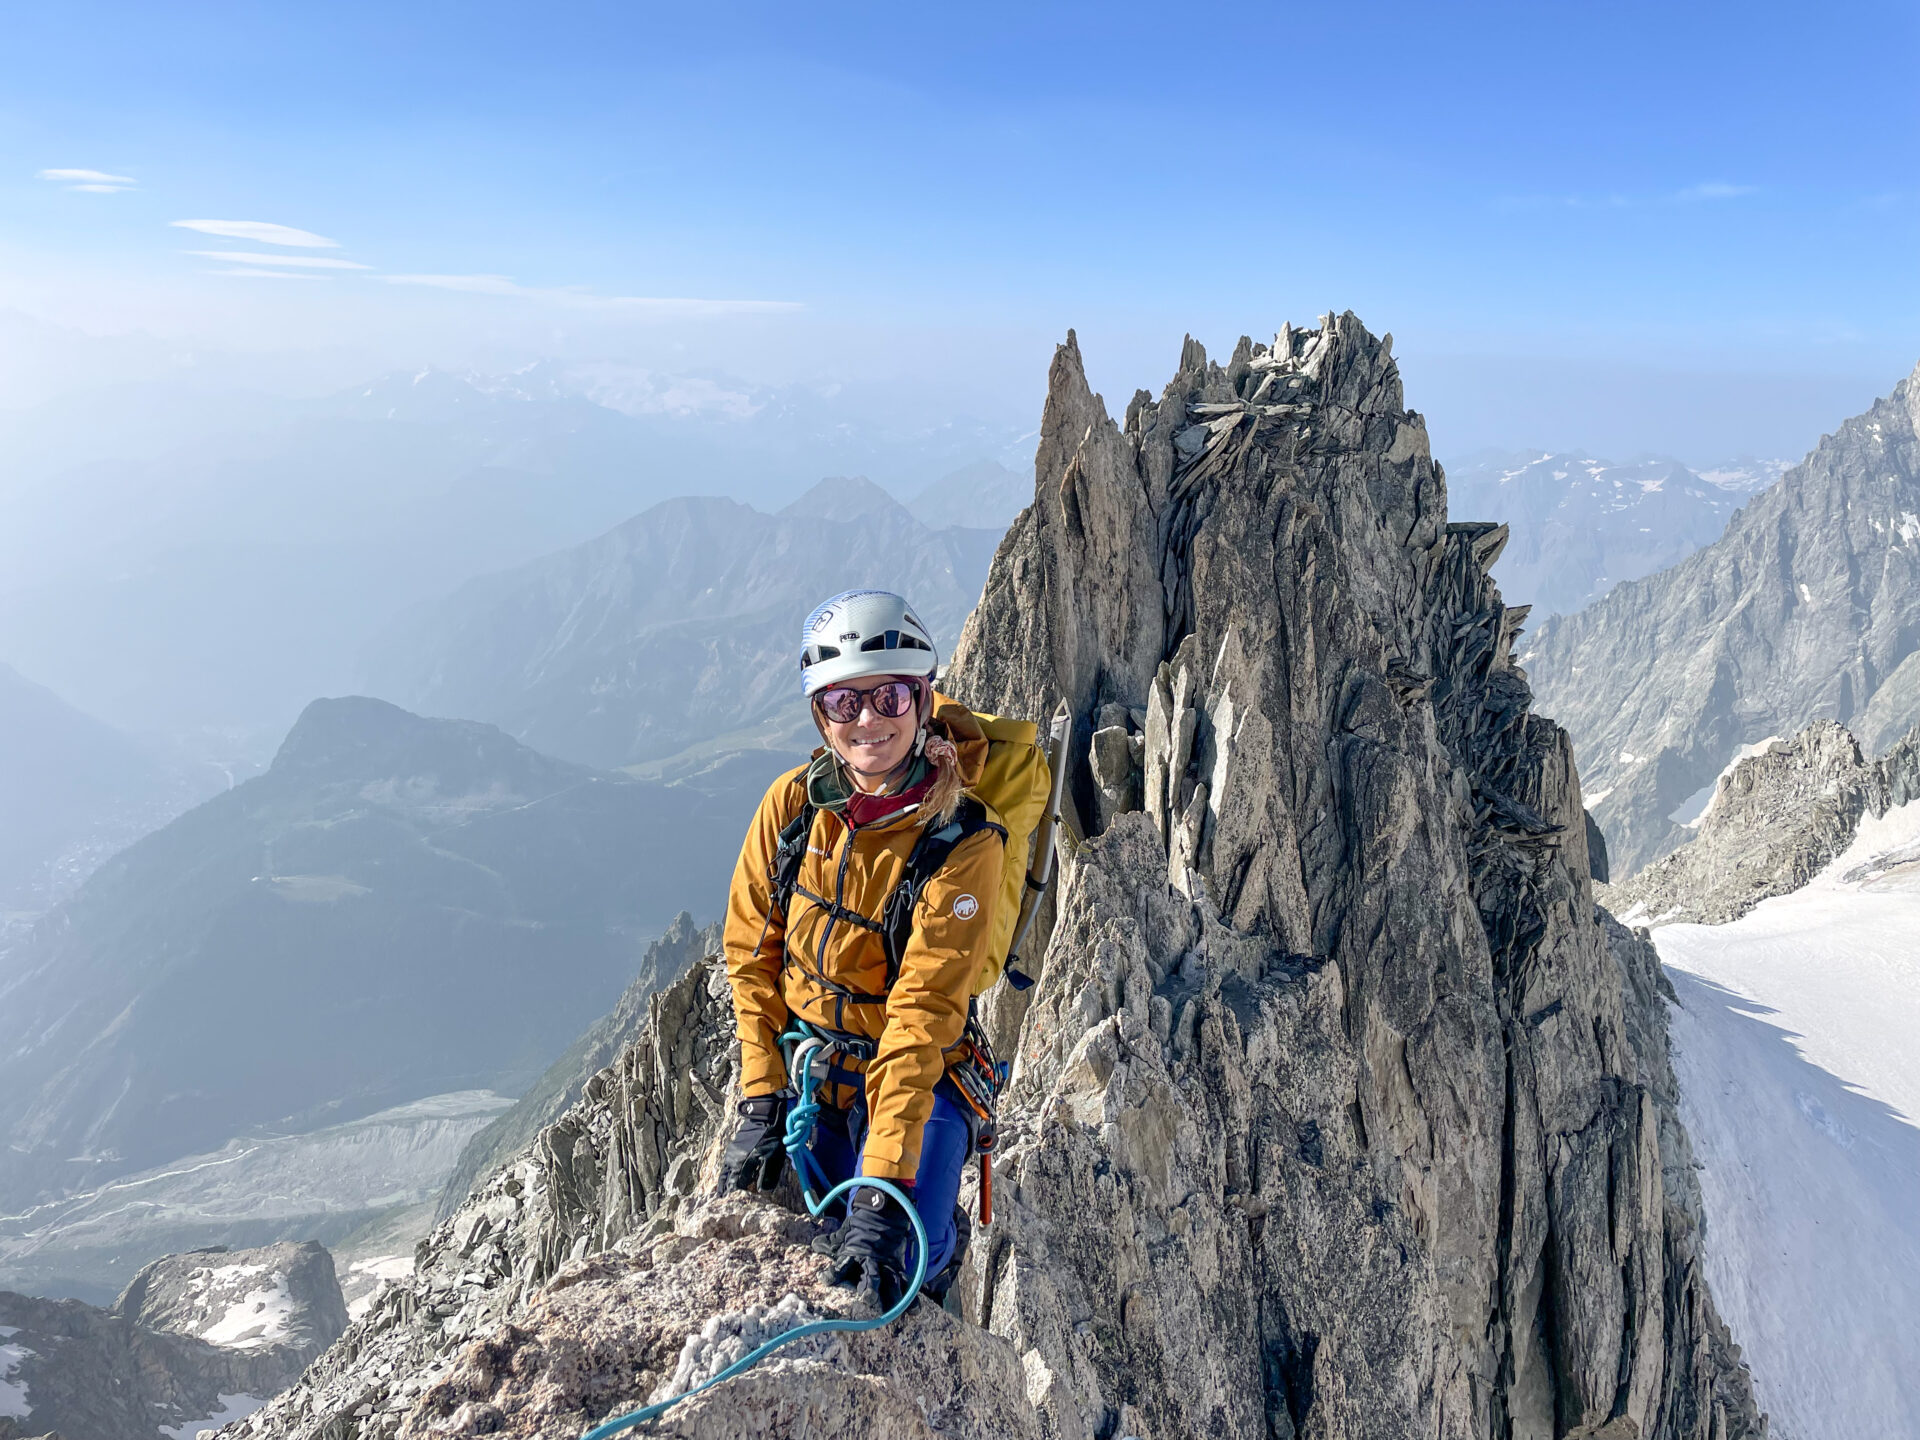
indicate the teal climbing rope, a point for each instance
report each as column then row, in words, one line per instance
column 800, row 1119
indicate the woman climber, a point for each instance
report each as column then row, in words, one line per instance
column 839, row 920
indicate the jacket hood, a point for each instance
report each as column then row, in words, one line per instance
column 960, row 725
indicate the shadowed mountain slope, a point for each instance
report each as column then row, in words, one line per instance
column 676, row 629
column 71, row 788
column 1807, row 609
column 399, row 907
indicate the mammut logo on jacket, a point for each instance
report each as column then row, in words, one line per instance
column 965, row 906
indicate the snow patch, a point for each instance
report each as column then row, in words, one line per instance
column 1909, row 527
column 260, row 1318
column 232, row 1408
column 13, row 1393
column 1596, row 797
column 1697, row 806
column 1806, row 594
column 1627, row 757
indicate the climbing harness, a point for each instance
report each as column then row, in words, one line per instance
column 800, row 1120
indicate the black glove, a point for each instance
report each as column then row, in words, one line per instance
column 872, row 1245
column 757, row 1155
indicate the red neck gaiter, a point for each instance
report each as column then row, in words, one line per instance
column 863, row 809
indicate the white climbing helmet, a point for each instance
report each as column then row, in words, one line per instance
column 863, row 632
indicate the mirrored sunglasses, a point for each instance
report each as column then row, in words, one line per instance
column 842, row 704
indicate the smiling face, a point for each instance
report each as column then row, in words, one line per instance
column 871, row 745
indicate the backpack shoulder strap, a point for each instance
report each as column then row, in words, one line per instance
column 929, row 853
column 784, row 872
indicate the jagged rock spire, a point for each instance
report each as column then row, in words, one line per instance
column 1332, row 1015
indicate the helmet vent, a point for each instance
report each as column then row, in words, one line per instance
column 894, row 640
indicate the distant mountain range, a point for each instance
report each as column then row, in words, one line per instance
column 1807, row 608
column 72, row 791
column 169, row 574
column 983, row 496
column 673, row 637
column 1582, row 525
column 399, row 907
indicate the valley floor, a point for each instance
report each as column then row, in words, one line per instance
column 365, row 1188
column 1797, row 1045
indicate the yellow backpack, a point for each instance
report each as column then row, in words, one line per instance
column 1016, row 786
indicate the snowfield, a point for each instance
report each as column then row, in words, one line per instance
column 1797, row 1045
column 259, row 1318
column 13, row 1393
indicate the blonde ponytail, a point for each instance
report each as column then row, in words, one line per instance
column 944, row 798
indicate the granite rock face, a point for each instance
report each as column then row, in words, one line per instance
column 1807, row 608
column 1775, row 820
column 191, row 1335
column 1337, row 1111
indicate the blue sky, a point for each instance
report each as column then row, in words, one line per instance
column 1568, row 215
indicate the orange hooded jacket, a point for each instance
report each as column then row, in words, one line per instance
column 777, row 963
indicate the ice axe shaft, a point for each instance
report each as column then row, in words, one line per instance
column 1040, row 871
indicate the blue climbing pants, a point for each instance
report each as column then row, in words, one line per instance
column 839, row 1135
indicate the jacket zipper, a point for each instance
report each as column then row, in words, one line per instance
column 840, row 885
column 839, row 900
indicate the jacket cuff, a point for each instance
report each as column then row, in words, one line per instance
column 761, row 1074
column 882, row 1167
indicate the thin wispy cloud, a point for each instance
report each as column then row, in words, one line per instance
column 267, row 274
column 1706, row 190
column 260, row 232
column 586, row 300
column 473, row 284
column 1716, row 190
column 313, row 262
column 94, row 182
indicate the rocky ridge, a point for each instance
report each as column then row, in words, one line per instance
column 192, row 1336
column 1807, row 608
column 1337, row 1111
column 1776, row 819
column 557, row 1090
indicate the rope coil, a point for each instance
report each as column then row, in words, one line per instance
column 800, row 1121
